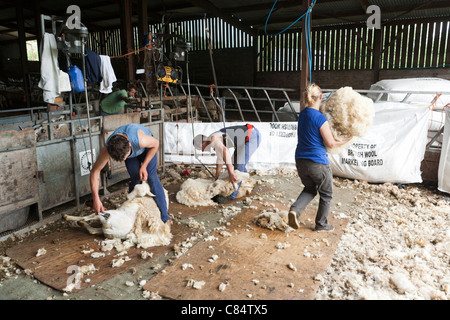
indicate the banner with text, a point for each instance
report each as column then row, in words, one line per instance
column 393, row 149
column 276, row 149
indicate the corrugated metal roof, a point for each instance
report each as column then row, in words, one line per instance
column 245, row 14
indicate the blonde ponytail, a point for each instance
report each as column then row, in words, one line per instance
column 312, row 94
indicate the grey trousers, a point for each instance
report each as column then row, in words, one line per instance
column 317, row 178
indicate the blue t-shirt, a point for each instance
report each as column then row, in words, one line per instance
column 310, row 142
column 131, row 130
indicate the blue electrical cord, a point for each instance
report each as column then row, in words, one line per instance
column 308, row 37
column 307, row 29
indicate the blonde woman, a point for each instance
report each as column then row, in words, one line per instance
column 311, row 159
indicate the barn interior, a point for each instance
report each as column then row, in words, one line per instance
column 200, row 65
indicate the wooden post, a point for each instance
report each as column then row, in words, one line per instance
column 376, row 53
column 304, row 75
column 23, row 51
column 127, row 37
column 143, row 19
column 142, row 28
column 37, row 24
column 102, row 43
column 146, row 60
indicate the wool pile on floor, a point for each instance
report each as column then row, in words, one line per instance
column 396, row 246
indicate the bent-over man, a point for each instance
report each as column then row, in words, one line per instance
column 134, row 144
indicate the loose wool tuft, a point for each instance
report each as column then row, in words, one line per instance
column 273, row 221
column 199, row 192
column 349, row 114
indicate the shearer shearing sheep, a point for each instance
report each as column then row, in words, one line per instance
column 138, row 215
column 245, row 139
column 315, row 136
column 134, row 144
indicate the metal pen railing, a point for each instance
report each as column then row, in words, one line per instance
column 240, row 94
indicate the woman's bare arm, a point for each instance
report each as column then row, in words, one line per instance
column 328, row 138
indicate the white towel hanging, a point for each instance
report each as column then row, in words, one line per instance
column 108, row 75
column 49, row 81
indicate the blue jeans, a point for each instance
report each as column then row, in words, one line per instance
column 243, row 153
column 133, row 166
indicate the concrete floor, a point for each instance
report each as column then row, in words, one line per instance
column 25, row 287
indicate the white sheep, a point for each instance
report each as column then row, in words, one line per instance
column 139, row 215
column 199, row 192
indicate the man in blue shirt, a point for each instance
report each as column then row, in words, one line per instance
column 134, row 144
column 311, row 159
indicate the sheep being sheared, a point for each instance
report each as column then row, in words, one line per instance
column 199, row 192
column 139, row 217
column 349, row 114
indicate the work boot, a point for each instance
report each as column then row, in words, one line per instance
column 327, row 227
column 293, row 223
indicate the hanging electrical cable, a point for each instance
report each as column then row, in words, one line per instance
column 307, row 30
column 288, row 27
column 308, row 37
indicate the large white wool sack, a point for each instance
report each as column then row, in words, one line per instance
column 349, row 114
column 444, row 161
column 393, row 149
column 435, row 85
column 199, row 192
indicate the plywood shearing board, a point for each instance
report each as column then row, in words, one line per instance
column 277, row 266
column 64, row 255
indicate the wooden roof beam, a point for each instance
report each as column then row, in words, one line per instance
column 347, row 15
column 364, row 4
column 44, row 10
column 268, row 6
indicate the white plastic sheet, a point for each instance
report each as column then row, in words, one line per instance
column 444, row 161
